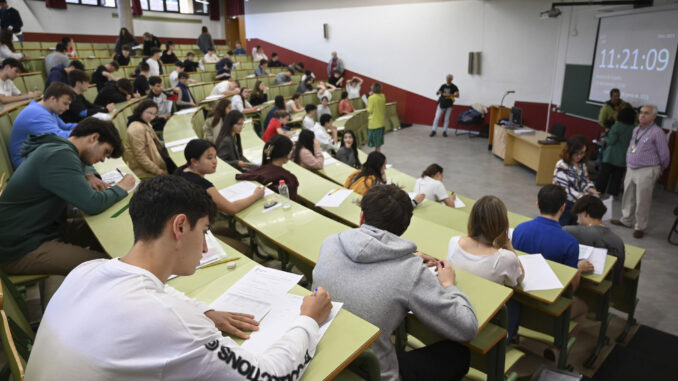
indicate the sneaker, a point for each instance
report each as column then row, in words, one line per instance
column 638, row 234
column 432, row 134
column 444, row 134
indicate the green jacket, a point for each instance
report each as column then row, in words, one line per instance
column 33, row 205
column 608, row 112
column 376, row 107
column 617, row 142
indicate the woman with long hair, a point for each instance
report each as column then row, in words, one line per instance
column 307, row 152
column 125, row 38
column 258, row 94
column 214, row 121
column 7, row 46
column 571, row 174
column 431, row 184
column 348, row 152
column 372, row 173
column 229, row 146
column 275, row 154
column 144, row 154
column 168, row 56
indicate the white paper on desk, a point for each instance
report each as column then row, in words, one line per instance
column 265, row 284
column 510, row 233
column 186, row 111
column 594, row 255
column 334, row 198
column 343, row 117
column 213, row 97
column 228, row 302
column 279, row 320
column 608, row 213
column 330, row 161
column 178, row 148
column 113, row 177
column 538, row 274
column 458, row 203
column 215, row 252
column 389, row 165
column 178, row 142
column 102, row 116
column 256, row 160
column 241, row 190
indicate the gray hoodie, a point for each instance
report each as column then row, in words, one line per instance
column 377, row 277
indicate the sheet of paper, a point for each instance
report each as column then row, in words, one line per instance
column 265, row 284
column 178, row 142
column 585, row 251
column 538, row 273
column 241, row 190
column 215, row 252
column 237, row 303
column 597, row 259
column 330, row 161
column 213, row 97
column 334, row 198
column 102, row 116
column 113, row 177
column 389, row 165
column 458, row 203
column 186, row 111
column 344, row 117
column 178, row 148
column 279, row 320
column 326, row 155
column 256, row 160
column 510, row 233
column 608, row 213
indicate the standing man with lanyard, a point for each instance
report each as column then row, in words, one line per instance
column 646, row 158
column 447, row 93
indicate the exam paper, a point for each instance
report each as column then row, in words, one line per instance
column 178, row 142
column 113, row 177
column 215, row 252
column 279, row 320
column 187, row 111
column 213, row 97
column 594, row 255
column 241, row 190
column 178, row 148
column 330, row 161
column 458, row 203
column 538, row 274
column 334, row 198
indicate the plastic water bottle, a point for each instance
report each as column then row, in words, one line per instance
column 284, row 192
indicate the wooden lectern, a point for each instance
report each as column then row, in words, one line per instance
column 497, row 113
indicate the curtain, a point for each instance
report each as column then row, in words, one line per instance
column 214, row 10
column 235, row 7
column 55, row 4
column 136, row 8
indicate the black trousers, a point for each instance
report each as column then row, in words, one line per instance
column 610, row 179
column 444, row 360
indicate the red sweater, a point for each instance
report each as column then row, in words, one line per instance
column 271, row 130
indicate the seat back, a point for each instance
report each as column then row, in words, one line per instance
column 17, row 315
column 91, row 93
column 34, row 81
column 558, row 130
column 198, row 120
column 15, row 361
column 5, row 131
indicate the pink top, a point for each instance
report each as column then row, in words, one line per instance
column 310, row 160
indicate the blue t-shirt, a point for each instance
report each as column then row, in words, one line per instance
column 545, row 236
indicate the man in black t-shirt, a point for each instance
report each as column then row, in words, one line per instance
column 447, row 94
column 141, row 81
column 114, row 92
column 104, row 73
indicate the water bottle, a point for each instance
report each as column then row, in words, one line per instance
column 284, row 192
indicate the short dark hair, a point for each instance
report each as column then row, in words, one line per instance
column 344, row 95
column 275, row 54
column 155, row 50
column 296, row 95
column 550, row 198
column 154, row 80
column 57, row 90
column 324, row 119
column 615, row 90
column 591, row 205
column 125, row 85
column 60, row 47
column 574, row 144
column 106, row 130
column 387, row 207
column 183, row 75
column 143, row 66
column 204, row 29
column 114, row 64
column 281, row 114
column 126, row 47
column 176, row 196
column 141, row 107
column 65, row 40
column 78, row 75
column 77, row 64
column 189, row 54
column 179, row 64
column 12, row 63
column 627, row 115
column 228, row 53
column 310, row 107
column 432, row 170
column 263, row 61
column 212, row 49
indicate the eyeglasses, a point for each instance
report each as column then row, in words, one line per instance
column 580, row 153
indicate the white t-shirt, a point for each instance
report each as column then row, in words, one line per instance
column 210, row 58
column 174, row 79
column 289, row 105
column 8, row 88
column 502, row 267
column 308, row 123
column 322, row 136
column 220, row 87
column 116, row 321
column 353, row 91
column 237, row 103
column 325, row 93
column 323, row 110
column 432, row 188
column 154, row 67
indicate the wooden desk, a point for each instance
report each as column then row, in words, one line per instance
column 497, row 113
column 526, row 150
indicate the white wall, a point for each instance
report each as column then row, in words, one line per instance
column 79, row 19
column 413, row 44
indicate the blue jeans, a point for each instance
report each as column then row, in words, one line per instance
column 446, row 118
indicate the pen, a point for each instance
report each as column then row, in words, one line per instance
column 333, row 192
column 315, row 292
column 220, row 262
column 120, row 172
column 442, row 264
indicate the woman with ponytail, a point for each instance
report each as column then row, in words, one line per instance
column 215, row 119
column 229, row 146
column 275, row 154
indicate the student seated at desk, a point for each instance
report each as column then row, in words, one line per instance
column 228, row 144
column 309, row 118
column 431, row 184
column 324, row 108
column 36, row 237
column 294, row 105
column 215, row 120
column 348, row 153
column 380, row 277
column 209, row 57
column 274, row 62
column 278, row 104
column 275, row 154
column 81, row 108
column 59, row 73
column 239, row 101
column 104, row 73
column 284, row 77
column 307, row 152
column 353, row 87
column 190, row 66
column 57, row 57
column 144, row 154
column 164, row 331
column 591, row 232
column 153, row 62
column 174, row 75
column 163, row 99
column 260, row 71
column 11, row 69
column 544, row 235
column 141, row 86
column 305, row 85
column 226, row 88
column 325, row 91
column 185, row 99
column 372, row 173
column 571, row 174
column 258, row 95
column 327, row 142
column 275, row 126
column 345, row 106
column 336, row 79
column 224, row 67
column 168, row 56
column 238, row 48
column 487, row 251
column 123, row 58
column 41, row 117
column 115, row 92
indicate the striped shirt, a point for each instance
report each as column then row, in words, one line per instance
column 574, row 178
column 648, row 148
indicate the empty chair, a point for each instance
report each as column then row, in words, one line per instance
column 558, row 131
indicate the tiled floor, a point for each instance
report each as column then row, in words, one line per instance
column 471, row 170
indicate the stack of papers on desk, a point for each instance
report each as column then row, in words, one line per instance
column 538, row 274
column 256, row 292
column 525, row 131
column 334, row 198
column 186, row 111
column 594, row 255
column 213, row 97
column 241, row 190
column 180, row 142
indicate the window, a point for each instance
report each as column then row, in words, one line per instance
column 197, row 7
column 172, row 5
column 103, row 3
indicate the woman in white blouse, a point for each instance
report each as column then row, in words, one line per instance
column 431, row 184
column 7, row 47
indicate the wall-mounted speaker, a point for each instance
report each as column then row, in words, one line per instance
column 326, row 31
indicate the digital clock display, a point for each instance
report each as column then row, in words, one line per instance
column 636, row 53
